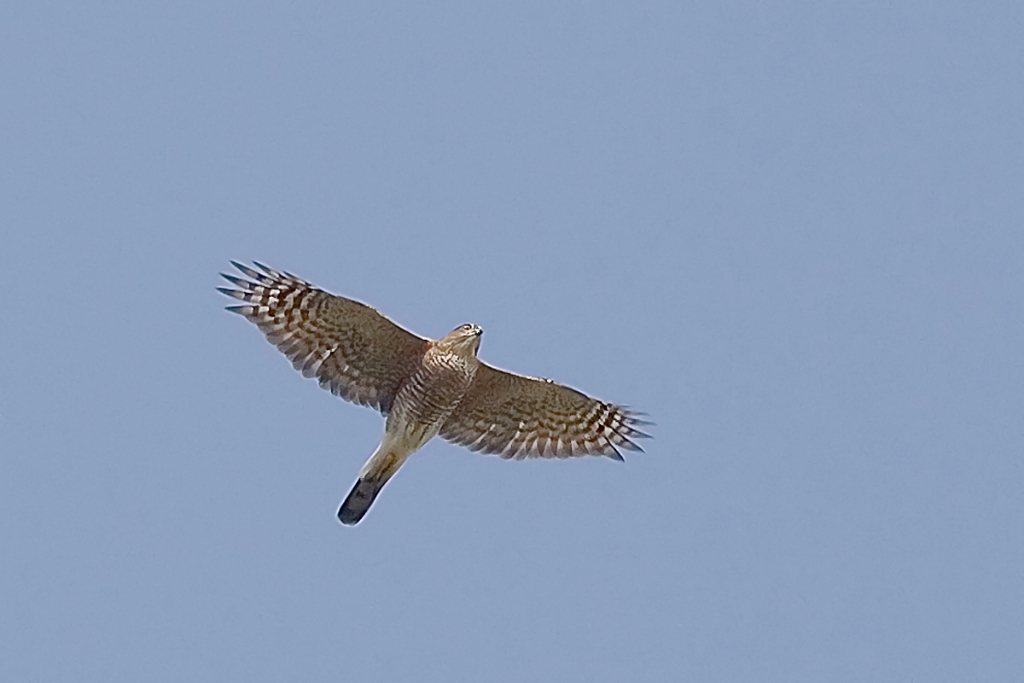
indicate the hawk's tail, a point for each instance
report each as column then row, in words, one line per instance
column 359, row 500
column 381, row 466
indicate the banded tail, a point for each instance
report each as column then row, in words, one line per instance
column 359, row 500
column 381, row 466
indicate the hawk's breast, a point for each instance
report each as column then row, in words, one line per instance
column 430, row 394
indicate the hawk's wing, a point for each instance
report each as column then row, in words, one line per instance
column 518, row 417
column 353, row 350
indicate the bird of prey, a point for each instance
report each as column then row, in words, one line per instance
column 422, row 386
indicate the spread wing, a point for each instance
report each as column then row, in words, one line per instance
column 353, row 350
column 516, row 416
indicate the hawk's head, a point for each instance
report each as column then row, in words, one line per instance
column 463, row 340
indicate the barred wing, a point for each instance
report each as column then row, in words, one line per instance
column 353, row 350
column 516, row 416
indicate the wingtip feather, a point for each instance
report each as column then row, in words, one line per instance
column 237, row 281
column 246, row 270
column 267, row 269
column 234, row 293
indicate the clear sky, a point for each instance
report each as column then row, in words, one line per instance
column 793, row 233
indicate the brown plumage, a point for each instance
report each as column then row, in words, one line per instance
column 423, row 387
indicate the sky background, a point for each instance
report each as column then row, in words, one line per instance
column 793, row 233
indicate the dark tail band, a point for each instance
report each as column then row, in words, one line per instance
column 359, row 500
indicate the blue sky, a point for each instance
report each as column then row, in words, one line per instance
column 790, row 232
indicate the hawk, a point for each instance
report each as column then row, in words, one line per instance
column 423, row 387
